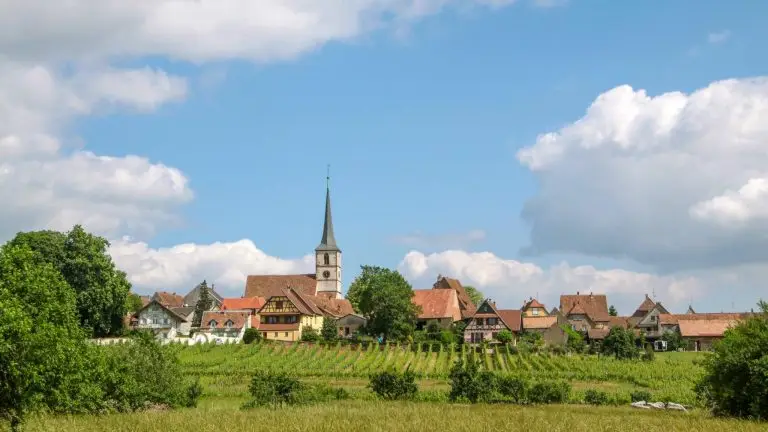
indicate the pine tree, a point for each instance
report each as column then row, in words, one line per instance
column 204, row 303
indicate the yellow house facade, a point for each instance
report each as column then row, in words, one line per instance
column 283, row 317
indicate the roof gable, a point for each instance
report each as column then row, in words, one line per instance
column 437, row 303
column 169, row 311
column 193, row 296
column 594, row 305
column 466, row 306
column 644, row 307
column 533, row 303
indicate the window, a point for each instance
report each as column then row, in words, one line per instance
column 286, row 334
column 165, row 321
column 212, row 324
column 291, row 319
column 271, row 320
column 346, row 331
column 229, row 324
column 535, row 312
column 326, row 259
column 479, row 321
column 491, row 321
column 264, row 334
column 279, row 304
column 275, row 334
column 653, row 317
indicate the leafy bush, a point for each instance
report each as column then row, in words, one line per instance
column 735, row 382
column 328, row 331
column 193, row 394
column 596, row 397
column 557, row 350
column 674, row 340
column 641, row 395
column 309, row 334
column 274, row 389
column 505, row 336
column 547, row 392
column 513, row 387
column 393, row 385
column 620, row 342
column 251, row 335
column 468, row 382
column 575, row 342
column 648, row 355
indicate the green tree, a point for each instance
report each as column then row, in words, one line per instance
column 735, row 381
column 505, row 336
column 328, row 331
column 83, row 261
column 575, row 342
column 674, row 340
column 133, row 303
column 384, row 298
column 204, row 303
column 251, row 335
column 43, row 352
column 474, row 294
column 620, row 343
column 309, row 334
column 612, row 311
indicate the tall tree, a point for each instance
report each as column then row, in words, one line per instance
column 612, row 311
column 474, row 294
column 43, row 352
column 384, row 298
column 328, row 331
column 621, row 343
column 133, row 303
column 83, row 261
column 204, row 303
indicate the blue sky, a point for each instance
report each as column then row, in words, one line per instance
column 421, row 127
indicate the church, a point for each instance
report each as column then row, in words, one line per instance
column 323, row 287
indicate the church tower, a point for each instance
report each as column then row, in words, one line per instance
column 328, row 255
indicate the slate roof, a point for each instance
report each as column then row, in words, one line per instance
column 539, row 322
column 437, row 303
column 595, row 306
column 328, row 241
column 168, row 299
column 238, row 319
column 243, row 303
column 193, row 296
column 267, row 286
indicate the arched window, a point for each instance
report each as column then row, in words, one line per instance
column 326, row 259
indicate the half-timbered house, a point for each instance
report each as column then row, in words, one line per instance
column 487, row 321
column 284, row 316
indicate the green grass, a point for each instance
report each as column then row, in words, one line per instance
column 394, row 417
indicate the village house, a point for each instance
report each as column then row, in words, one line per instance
column 226, row 324
column 466, row 307
column 649, row 324
column 350, row 324
column 585, row 312
column 283, row 317
column 549, row 326
column 165, row 322
column 532, row 308
column 439, row 306
column 249, row 305
column 699, row 330
column 487, row 321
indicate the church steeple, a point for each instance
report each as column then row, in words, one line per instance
column 328, row 242
column 328, row 254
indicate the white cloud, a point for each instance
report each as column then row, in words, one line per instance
column 181, row 267
column 509, row 282
column 421, row 240
column 639, row 177
column 719, row 37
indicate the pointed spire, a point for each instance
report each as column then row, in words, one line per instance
column 328, row 242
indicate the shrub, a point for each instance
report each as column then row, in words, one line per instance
column 505, row 336
column 274, row 388
column 251, row 335
column 557, row 350
column 328, row 331
column 735, row 381
column 193, row 394
column 596, row 397
column 547, row 392
column 309, row 334
column 620, row 342
column 515, row 388
column 468, row 382
column 393, row 385
column 648, row 354
column 641, row 395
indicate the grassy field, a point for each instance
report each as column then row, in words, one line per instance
column 225, row 370
column 396, row 416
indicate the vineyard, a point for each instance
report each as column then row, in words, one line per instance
column 670, row 376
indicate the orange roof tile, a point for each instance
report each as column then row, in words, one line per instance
column 221, row 317
column 168, row 299
column 644, row 307
column 594, row 305
column 273, row 285
column 533, row 303
column 542, row 322
column 705, row 328
column 332, row 306
column 672, row 319
column 512, row 318
column 242, row 303
column 437, row 303
column 466, row 305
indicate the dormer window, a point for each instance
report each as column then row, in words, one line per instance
column 229, row 324
column 212, row 324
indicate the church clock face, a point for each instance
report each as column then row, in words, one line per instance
column 326, row 274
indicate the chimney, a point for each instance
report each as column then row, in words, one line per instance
column 577, row 293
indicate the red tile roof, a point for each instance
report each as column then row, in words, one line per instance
column 594, row 305
column 533, row 303
column 598, row 334
column 332, row 306
column 238, row 319
column 644, row 307
column 437, row 303
column 465, row 303
column 616, row 321
column 673, row 319
column 538, row 323
column 243, row 303
column 168, row 299
column 705, row 328
column 273, row 285
column 512, row 318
